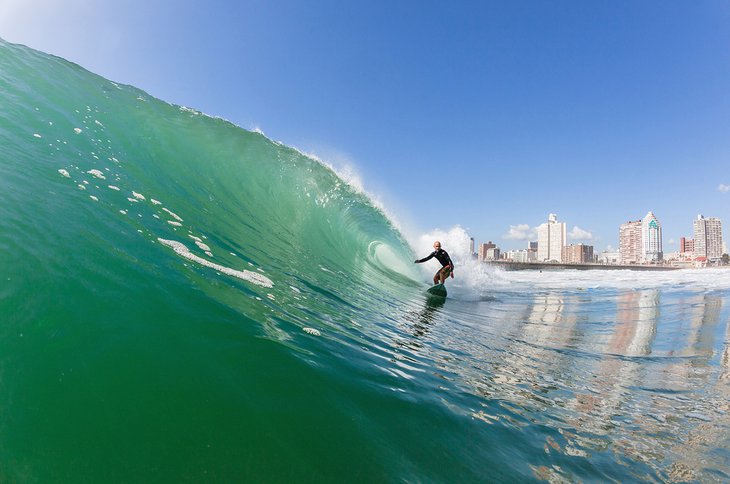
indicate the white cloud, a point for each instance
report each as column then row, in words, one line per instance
column 520, row 232
column 723, row 188
column 579, row 234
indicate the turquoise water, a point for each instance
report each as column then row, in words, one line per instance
column 184, row 300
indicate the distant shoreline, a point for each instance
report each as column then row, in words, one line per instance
column 553, row 266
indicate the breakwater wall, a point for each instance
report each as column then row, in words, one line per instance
column 551, row 266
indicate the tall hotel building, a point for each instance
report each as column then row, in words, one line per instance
column 551, row 238
column 651, row 238
column 640, row 241
column 708, row 237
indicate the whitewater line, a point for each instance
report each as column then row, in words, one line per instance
column 181, row 250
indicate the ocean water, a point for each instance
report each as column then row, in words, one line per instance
column 184, row 300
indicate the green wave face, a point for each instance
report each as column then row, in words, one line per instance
column 150, row 253
column 103, row 179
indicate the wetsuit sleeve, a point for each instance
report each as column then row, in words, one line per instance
column 426, row 258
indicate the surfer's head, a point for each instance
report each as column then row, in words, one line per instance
column 437, row 245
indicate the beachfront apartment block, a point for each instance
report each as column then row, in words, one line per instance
column 521, row 255
column 484, row 249
column 686, row 247
column 629, row 242
column 640, row 241
column 708, row 238
column 577, row 254
column 551, row 238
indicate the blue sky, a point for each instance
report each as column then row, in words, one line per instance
column 488, row 115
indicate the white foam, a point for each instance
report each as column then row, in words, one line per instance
column 37, row 135
column 138, row 196
column 173, row 215
column 176, row 224
column 155, row 202
column 472, row 279
column 197, row 239
column 97, row 173
column 82, row 187
column 93, row 198
column 77, row 130
column 186, row 109
column 133, row 200
column 114, row 188
column 312, row 331
column 64, row 173
column 253, row 277
column 202, row 246
column 681, row 279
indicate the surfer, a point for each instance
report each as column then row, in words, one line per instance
column 442, row 256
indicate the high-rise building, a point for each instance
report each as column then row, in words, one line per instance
column 651, row 239
column 686, row 247
column 640, row 241
column 551, row 238
column 483, row 248
column 577, row 254
column 708, row 237
column 629, row 242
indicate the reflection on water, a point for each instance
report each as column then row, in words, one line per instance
column 634, row 382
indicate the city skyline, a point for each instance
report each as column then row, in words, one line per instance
column 638, row 242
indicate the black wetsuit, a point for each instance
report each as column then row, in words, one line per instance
column 441, row 255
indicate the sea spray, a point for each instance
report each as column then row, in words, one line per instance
column 473, row 280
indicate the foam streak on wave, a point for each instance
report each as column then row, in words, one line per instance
column 181, row 250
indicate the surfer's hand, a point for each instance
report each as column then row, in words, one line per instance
column 452, row 274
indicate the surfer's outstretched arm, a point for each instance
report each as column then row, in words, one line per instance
column 418, row 261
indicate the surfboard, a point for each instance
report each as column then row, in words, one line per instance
column 437, row 290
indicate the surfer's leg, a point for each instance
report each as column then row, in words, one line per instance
column 436, row 277
column 444, row 273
